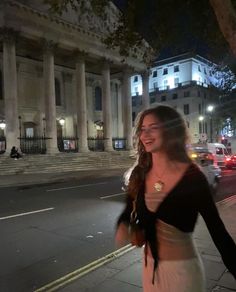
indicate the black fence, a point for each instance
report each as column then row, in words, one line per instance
column 2, row 144
column 33, row 145
column 37, row 145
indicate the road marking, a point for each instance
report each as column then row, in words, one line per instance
column 231, row 200
column 76, row 187
column 67, row 279
column 27, row 213
column 110, row 196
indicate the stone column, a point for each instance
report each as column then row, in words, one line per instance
column 10, row 88
column 90, row 106
column 106, row 107
column 81, row 104
column 120, row 112
column 49, row 94
column 127, row 109
column 145, row 95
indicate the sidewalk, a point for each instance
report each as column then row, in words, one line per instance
column 123, row 274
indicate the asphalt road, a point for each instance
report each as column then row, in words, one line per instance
column 48, row 231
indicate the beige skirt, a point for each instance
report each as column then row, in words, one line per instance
column 174, row 276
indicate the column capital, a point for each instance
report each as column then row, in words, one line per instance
column 49, row 45
column 8, row 34
column 145, row 73
column 80, row 55
column 106, row 63
column 128, row 71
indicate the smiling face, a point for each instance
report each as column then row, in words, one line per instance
column 151, row 134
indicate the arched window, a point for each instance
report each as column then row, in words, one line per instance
column 98, row 98
column 57, row 92
column 1, row 85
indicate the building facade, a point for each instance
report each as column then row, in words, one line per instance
column 185, row 82
column 60, row 86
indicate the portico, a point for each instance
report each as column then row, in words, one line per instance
column 52, row 70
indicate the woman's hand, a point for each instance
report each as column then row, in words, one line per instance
column 137, row 238
column 122, row 235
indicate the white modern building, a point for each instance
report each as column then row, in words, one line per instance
column 185, row 82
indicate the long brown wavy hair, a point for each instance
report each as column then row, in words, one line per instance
column 175, row 137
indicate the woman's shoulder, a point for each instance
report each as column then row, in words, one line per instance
column 195, row 174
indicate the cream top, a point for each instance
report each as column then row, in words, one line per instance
column 173, row 244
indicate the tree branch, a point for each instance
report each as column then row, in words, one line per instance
column 226, row 17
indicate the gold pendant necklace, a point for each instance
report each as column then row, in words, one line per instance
column 159, row 185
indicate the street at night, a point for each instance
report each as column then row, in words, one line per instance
column 50, row 230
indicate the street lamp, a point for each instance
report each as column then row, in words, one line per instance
column 201, row 118
column 210, row 109
column 62, row 121
column 201, row 128
column 2, row 125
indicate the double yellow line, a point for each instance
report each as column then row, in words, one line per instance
column 67, row 279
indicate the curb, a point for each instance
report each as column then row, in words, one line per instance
column 67, row 279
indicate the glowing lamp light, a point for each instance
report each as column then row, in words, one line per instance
column 2, row 125
column 210, row 108
column 62, row 121
column 201, row 118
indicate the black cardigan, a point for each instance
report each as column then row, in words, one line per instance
column 180, row 208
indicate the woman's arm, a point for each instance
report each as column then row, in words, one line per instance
column 223, row 241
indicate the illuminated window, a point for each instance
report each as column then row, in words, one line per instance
column 176, row 68
column 165, row 71
column 176, row 81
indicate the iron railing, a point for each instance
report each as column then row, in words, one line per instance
column 2, row 144
column 37, row 145
column 96, row 144
column 33, row 145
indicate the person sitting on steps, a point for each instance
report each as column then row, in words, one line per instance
column 14, row 153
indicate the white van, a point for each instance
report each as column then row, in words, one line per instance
column 204, row 158
column 220, row 153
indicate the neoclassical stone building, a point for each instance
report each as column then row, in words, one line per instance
column 58, row 79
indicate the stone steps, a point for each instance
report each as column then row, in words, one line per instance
column 65, row 162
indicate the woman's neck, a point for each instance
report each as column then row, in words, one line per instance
column 160, row 160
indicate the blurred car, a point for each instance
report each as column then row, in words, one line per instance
column 205, row 159
column 231, row 162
